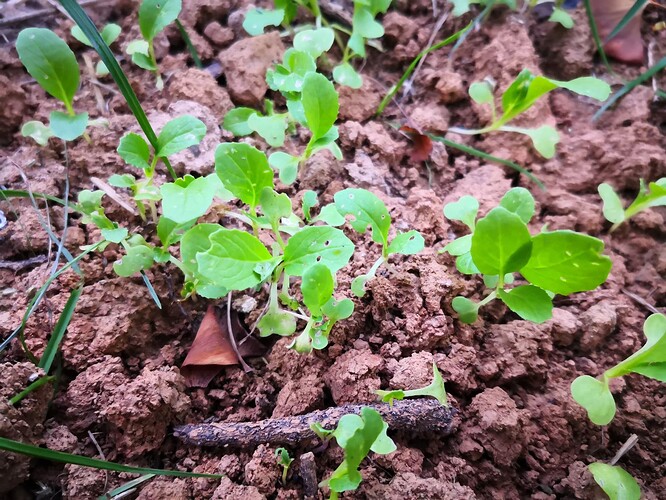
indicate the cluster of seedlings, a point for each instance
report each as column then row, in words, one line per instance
column 296, row 250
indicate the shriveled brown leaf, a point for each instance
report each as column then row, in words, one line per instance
column 421, row 144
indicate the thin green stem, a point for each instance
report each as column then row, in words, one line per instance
column 492, row 296
column 34, row 386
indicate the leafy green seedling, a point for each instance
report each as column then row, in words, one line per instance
column 285, row 461
column 525, row 90
column 617, row 483
column 650, row 361
column 271, row 126
column 435, row 389
column 52, row 63
column 357, row 435
column 652, row 195
column 552, row 262
column 154, row 16
column 110, row 34
column 558, row 15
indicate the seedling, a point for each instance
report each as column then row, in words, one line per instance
column 617, row 483
column 357, row 435
column 652, row 195
column 154, row 16
column 52, row 63
column 271, row 126
column 525, row 90
column 558, row 15
column 435, row 389
column 283, row 460
column 110, row 34
column 650, row 361
column 552, row 262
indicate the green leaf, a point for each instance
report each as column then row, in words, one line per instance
column 286, row 165
column 188, row 198
column 59, row 330
column 650, row 358
column 367, row 210
column 101, row 69
column 275, row 206
column 308, row 201
column 561, row 16
column 67, row 127
column 408, row 243
column 138, row 47
column 613, row 209
column 178, row 134
column 617, row 483
column 155, row 15
column 345, row 74
column 588, row 86
column 595, row 396
column 465, row 264
column 529, row 302
column 314, row 42
column 236, row 121
column 136, row 259
column 134, row 150
column 170, row 232
column 115, row 235
column 232, row 259
column 37, row 131
column 256, row 20
column 565, row 262
column 317, row 244
column 337, row 310
column 501, row 243
column 110, row 34
column 481, row 92
column 320, row 104
column 194, row 241
column 317, row 287
column 271, row 128
column 459, row 246
column 519, row 201
column 464, row 210
column 544, row 139
column 276, row 322
column 244, row 171
column 50, row 61
column 467, row 310
column 460, row 7
column 330, row 215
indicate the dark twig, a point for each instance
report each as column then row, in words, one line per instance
column 422, row 417
column 17, row 265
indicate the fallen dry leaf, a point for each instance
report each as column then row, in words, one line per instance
column 421, row 144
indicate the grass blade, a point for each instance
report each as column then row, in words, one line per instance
column 190, row 46
column 151, row 290
column 69, row 458
column 595, row 35
column 34, row 386
column 88, row 27
column 110, row 495
column 59, row 330
column 629, row 86
column 635, row 9
column 486, row 156
column 412, row 66
column 20, row 193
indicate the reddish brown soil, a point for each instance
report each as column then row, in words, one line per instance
column 520, row 433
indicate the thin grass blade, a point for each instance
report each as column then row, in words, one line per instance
column 595, row 35
column 20, row 193
column 59, row 330
column 188, row 43
column 110, row 495
column 32, row 387
column 635, row 10
column 151, row 290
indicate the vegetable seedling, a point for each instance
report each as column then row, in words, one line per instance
column 154, row 16
column 523, row 92
column 357, row 435
column 617, row 483
column 558, row 15
column 650, row 361
column 652, row 195
column 109, row 33
column 51, row 62
column 552, row 262
column 285, row 461
column 435, row 389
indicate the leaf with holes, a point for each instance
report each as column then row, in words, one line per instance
column 155, row 15
column 408, row 243
column 317, row 244
column 366, row 210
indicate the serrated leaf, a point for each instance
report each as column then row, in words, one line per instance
column 155, row 15
column 529, row 302
column 317, row 244
column 256, row 20
column 519, row 201
column 320, row 104
column 595, row 396
column 468, row 311
column 345, row 74
column 408, row 243
column 367, row 210
column 188, row 198
column 50, row 61
column 464, row 210
column 317, row 287
column 244, row 171
column 613, row 209
column 617, row 483
column 36, row 130
column 178, row 134
column 67, row 127
column 315, row 42
column 134, row 150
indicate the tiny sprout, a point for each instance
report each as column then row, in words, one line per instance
column 435, row 389
column 284, row 460
column 652, row 195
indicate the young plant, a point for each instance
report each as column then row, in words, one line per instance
column 52, row 63
column 283, row 460
column 110, row 34
column 154, row 16
column 435, row 390
column 558, row 15
column 552, row 262
column 617, row 483
column 652, row 195
column 650, row 361
column 523, row 92
column 357, row 435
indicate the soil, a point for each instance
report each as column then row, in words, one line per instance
column 520, row 433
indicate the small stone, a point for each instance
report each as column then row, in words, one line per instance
column 218, row 34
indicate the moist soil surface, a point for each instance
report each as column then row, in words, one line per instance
column 518, row 433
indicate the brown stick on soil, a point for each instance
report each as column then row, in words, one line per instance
column 420, row 416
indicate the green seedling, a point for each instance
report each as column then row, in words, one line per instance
column 650, row 361
column 109, row 33
column 435, row 390
column 154, row 16
column 652, row 195
column 357, row 435
column 367, row 210
column 285, row 461
column 500, row 244
column 271, row 127
column 52, row 63
column 525, row 90
column 617, row 483
column 559, row 15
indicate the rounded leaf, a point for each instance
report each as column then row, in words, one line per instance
column 155, row 15
column 595, row 396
